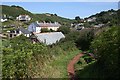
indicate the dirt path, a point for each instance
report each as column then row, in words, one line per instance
column 70, row 67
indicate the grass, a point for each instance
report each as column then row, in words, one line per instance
column 93, row 70
column 88, row 70
column 83, row 62
column 80, row 64
column 58, row 67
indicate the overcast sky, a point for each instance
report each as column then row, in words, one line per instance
column 66, row 9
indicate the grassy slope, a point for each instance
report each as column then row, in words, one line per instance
column 58, row 67
column 84, row 70
column 16, row 11
column 91, row 71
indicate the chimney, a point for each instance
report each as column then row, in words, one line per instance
column 44, row 22
column 37, row 22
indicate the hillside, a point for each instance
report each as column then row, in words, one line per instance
column 25, row 57
column 15, row 11
column 104, row 17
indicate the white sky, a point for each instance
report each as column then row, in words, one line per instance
column 59, row 0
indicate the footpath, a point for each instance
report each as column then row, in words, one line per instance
column 70, row 67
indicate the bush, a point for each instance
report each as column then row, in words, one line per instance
column 84, row 40
column 72, row 36
column 44, row 30
column 106, row 47
column 64, row 30
column 15, row 64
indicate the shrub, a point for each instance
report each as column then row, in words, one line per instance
column 106, row 47
column 64, row 29
column 84, row 40
column 44, row 30
column 15, row 65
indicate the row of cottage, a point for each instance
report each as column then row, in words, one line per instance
column 5, row 18
column 34, row 29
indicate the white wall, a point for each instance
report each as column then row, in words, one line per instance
column 38, row 29
column 53, row 28
column 3, row 20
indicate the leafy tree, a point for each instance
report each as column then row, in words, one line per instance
column 15, row 65
column 49, row 20
column 64, row 30
column 45, row 30
column 72, row 36
column 118, row 16
column 84, row 40
column 77, row 18
column 87, row 24
column 106, row 47
column 55, row 14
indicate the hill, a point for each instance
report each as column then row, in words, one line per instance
column 15, row 11
column 105, row 17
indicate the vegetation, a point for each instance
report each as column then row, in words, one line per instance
column 15, row 11
column 105, row 46
column 44, row 30
column 85, row 39
column 58, row 67
column 22, row 59
column 64, row 30
column 109, row 17
column 38, row 55
column 78, row 20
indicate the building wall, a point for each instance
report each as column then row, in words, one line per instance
column 38, row 29
column 27, row 18
column 27, row 35
column 3, row 20
column 53, row 28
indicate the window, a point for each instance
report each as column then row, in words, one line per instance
column 10, row 35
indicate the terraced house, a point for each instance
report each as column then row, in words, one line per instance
column 36, row 26
column 47, row 37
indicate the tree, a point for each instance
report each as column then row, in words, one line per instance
column 55, row 14
column 84, row 40
column 64, row 30
column 87, row 24
column 72, row 36
column 106, row 46
column 49, row 20
column 77, row 18
column 44, row 30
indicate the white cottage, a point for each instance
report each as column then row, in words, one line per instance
column 23, row 18
column 36, row 27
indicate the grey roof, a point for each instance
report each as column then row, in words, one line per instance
column 25, row 31
column 49, row 38
column 49, row 25
column 32, row 27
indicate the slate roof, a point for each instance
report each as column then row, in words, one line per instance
column 49, row 38
column 25, row 31
column 49, row 25
column 32, row 27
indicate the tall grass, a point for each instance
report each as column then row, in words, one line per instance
column 58, row 67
